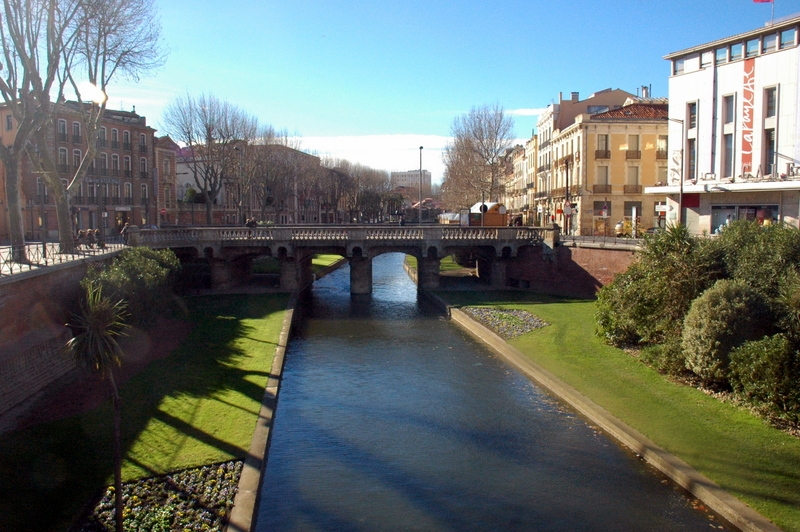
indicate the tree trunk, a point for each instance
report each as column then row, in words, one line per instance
column 117, row 452
column 14, row 198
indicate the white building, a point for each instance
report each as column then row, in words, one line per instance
column 411, row 179
column 733, row 111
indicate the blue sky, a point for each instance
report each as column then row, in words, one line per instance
column 371, row 81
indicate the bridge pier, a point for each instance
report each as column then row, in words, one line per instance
column 222, row 274
column 360, row 275
column 428, row 273
column 492, row 271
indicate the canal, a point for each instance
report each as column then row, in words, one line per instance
column 391, row 418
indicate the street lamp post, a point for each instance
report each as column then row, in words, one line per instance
column 681, row 220
column 420, row 185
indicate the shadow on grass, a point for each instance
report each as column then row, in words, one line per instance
column 49, row 472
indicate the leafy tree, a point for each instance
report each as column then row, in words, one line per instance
column 95, row 346
column 722, row 318
column 143, row 278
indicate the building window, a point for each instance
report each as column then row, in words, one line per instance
column 633, row 175
column 769, row 151
column 691, row 148
column 661, row 146
column 787, row 38
column 128, row 190
column 705, row 59
column 727, row 109
column 76, row 132
column 9, row 122
column 721, row 55
column 661, row 175
column 602, row 175
column 736, row 52
column 751, row 48
column 76, row 159
column 142, row 167
column 727, row 155
column 770, row 43
column 770, row 102
column 691, row 111
column 678, row 66
column 62, row 157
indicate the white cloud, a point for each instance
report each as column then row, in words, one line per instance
column 526, row 112
column 393, row 153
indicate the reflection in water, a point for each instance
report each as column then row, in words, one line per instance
column 390, row 418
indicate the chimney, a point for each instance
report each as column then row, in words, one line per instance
column 645, row 91
column 574, row 96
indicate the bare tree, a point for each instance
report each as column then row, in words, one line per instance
column 35, row 35
column 474, row 160
column 54, row 45
column 211, row 130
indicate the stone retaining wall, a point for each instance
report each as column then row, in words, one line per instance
column 34, row 308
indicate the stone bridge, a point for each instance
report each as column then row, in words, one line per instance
column 231, row 250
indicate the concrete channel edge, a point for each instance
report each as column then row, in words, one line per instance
column 720, row 501
column 245, row 503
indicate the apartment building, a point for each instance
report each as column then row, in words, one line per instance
column 119, row 186
column 626, row 150
column 595, row 156
column 733, row 125
column 412, row 179
column 558, row 157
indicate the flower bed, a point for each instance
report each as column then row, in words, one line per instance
column 506, row 323
column 192, row 499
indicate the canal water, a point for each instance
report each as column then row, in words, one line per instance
column 391, row 418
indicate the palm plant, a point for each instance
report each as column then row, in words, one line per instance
column 98, row 326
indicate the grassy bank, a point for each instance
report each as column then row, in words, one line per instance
column 198, row 405
column 752, row 461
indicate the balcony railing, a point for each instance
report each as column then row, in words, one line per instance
column 114, row 144
column 62, row 136
column 145, row 200
column 102, row 143
column 115, row 200
column 632, row 189
column 143, row 174
column 661, row 154
column 63, row 168
column 126, row 146
column 633, row 154
column 127, row 173
column 127, row 201
column 143, row 148
column 78, row 200
column 76, row 139
column 602, row 154
column 601, row 189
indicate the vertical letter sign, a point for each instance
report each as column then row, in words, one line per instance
column 748, row 96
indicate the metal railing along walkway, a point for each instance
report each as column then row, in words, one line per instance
column 43, row 254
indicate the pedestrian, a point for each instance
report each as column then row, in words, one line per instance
column 98, row 237
column 125, row 234
column 90, row 240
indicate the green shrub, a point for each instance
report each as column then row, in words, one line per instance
column 647, row 303
column 141, row 276
column 666, row 358
column 723, row 317
column 767, row 372
column 759, row 255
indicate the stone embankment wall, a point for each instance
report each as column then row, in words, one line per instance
column 34, row 308
column 574, row 271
